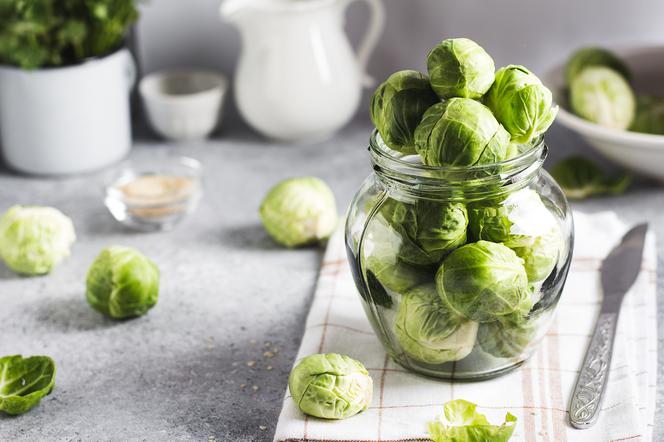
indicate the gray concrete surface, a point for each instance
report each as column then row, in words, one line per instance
column 181, row 372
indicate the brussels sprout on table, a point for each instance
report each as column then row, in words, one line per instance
column 591, row 56
column 122, row 283
column 506, row 337
column 299, row 211
column 35, row 239
column 649, row 117
column 603, row 96
column 429, row 331
column 24, row 382
column 581, row 178
column 330, row 386
column 460, row 132
column 397, row 107
column 459, row 67
column 461, row 422
column 483, row 281
column 521, row 103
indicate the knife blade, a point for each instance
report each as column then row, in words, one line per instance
column 619, row 270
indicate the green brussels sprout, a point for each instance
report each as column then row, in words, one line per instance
column 515, row 220
column 649, row 117
column 330, row 386
column 381, row 250
column 521, row 103
column 122, row 283
column 523, row 223
column 506, row 338
column 397, row 107
column 429, row 331
column 587, row 57
column 460, row 132
column 459, row 67
column 581, row 178
column 35, row 239
column 541, row 255
column 602, row 96
column 24, row 382
column 483, row 281
column 462, row 423
column 429, row 229
column 299, row 211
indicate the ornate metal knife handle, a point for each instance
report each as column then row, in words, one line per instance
column 590, row 386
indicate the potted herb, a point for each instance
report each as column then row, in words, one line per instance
column 65, row 81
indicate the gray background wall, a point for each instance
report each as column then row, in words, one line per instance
column 536, row 33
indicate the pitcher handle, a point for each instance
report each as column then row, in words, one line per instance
column 371, row 36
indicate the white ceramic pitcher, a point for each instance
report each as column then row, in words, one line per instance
column 297, row 78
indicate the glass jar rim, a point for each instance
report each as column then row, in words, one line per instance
column 389, row 158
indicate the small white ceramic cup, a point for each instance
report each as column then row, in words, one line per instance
column 183, row 105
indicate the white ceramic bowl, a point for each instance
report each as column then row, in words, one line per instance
column 643, row 153
column 183, row 105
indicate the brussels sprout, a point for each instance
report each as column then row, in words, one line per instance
column 649, row 116
column 521, row 103
column 483, row 281
column 523, row 223
column 462, row 423
column 541, row 255
column 459, row 67
column 514, row 221
column 330, row 386
column 397, row 107
column 429, row 331
column 24, row 382
column 299, row 211
column 381, row 250
column 122, row 283
column 429, row 229
column 34, row 239
column 581, row 178
column 602, row 96
column 587, row 57
column 460, row 132
column 506, row 338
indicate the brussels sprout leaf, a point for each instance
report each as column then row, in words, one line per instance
column 461, row 422
column 24, row 381
column 581, row 178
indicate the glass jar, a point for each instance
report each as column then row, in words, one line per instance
column 459, row 268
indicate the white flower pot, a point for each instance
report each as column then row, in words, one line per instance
column 68, row 119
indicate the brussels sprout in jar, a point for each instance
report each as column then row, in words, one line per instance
column 460, row 247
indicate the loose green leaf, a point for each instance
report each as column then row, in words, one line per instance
column 580, row 178
column 461, row 422
column 24, row 382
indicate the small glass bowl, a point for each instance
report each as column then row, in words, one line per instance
column 155, row 194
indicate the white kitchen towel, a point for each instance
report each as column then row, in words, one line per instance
column 537, row 393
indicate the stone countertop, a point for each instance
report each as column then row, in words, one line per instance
column 211, row 360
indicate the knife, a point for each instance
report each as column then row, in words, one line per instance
column 618, row 272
